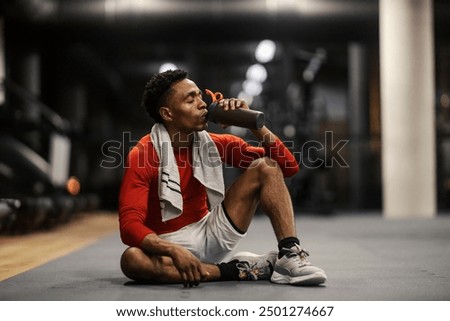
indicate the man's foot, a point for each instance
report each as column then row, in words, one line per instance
column 295, row 269
column 255, row 267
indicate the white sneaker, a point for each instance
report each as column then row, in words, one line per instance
column 255, row 267
column 295, row 269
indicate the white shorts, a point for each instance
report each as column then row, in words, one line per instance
column 210, row 239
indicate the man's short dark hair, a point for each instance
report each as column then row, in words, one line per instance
column 156, row 91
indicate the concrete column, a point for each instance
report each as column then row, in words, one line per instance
column 72, row 104
column 407, row 111
column 358, row 120
column 26, row 72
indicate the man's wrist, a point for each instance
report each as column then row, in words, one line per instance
column 265, row 136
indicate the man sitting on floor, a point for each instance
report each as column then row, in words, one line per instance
column 174, row 213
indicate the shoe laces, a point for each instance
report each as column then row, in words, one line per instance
column 298, row 254
column 255, row 271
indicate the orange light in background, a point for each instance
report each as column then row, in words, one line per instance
column 73, row 186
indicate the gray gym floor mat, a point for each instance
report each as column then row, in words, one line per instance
column 365, row 257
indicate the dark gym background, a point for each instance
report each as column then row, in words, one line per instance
column 78, row 69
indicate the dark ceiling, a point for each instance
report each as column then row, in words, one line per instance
column 216, row 20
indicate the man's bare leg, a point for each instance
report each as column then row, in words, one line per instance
column 142, row 267
column 262, row 183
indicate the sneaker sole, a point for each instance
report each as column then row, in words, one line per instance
column 310, row 279
column 243, row 255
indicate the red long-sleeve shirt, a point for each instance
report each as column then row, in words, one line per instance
column 139, row 205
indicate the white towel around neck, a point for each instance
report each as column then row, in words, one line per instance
column 206, row 165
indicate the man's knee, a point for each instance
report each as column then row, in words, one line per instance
column 133, row 264
column 128, row 262
column 265, row 167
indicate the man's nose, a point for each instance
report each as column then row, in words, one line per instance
column 202, row 104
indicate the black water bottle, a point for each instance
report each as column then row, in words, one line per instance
column 247, row 118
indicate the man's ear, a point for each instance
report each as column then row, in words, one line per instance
column 165, row 113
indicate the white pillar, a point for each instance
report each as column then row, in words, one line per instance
column 407, row 111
